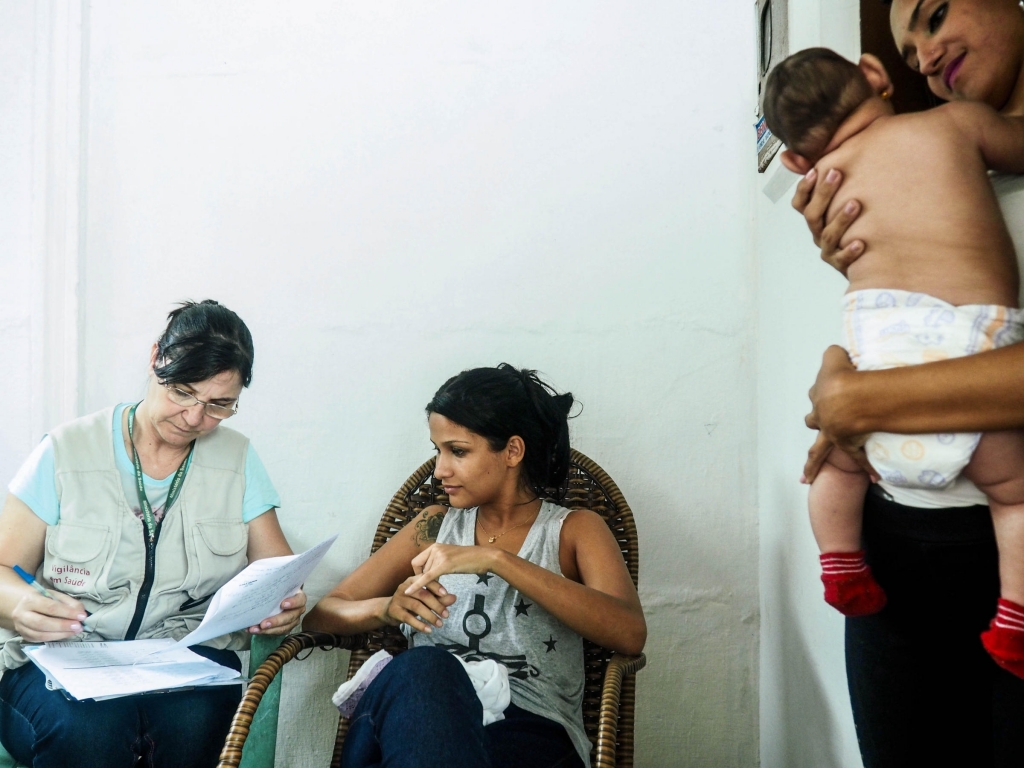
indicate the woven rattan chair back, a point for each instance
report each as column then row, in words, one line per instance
column 588, row 487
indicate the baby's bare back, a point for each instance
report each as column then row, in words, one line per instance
column 930, row 218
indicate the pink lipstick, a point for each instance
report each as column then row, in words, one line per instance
column 952, row 70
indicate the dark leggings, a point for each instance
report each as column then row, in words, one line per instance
column 923, row 689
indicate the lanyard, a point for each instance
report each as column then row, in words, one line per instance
column 172, row 494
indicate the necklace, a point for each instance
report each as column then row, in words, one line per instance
column 491, row 539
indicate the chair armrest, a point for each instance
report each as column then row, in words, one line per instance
column 231, row 754
column 620, row 668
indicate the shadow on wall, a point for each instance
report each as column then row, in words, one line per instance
column 802, row 699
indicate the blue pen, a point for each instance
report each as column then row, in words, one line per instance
column 29, row 579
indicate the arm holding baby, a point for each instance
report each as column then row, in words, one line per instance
column 1000, row 138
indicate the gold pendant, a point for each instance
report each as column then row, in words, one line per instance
column 492, row 539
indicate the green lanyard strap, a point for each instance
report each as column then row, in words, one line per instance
column 172, row 494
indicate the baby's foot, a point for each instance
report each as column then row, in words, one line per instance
column 849, row 586
column 1004, row 638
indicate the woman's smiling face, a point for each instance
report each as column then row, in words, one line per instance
column 970, row 50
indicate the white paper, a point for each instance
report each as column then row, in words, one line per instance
column 113, row 653
column 255, row 594
column 109, row 669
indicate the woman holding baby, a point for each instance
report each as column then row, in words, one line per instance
column 923, row 689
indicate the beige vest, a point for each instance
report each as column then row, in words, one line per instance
column 97, row 553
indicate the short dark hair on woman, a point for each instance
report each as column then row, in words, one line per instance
column 809, row 95
column 202, row 340
column 498, row 403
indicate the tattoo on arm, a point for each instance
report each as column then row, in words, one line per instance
column 427, row 528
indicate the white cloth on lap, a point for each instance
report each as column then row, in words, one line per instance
column 489, row 679
column 351, row 691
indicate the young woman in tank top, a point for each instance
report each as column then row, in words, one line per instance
column 504, row 575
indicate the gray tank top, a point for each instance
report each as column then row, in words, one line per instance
column 492, row 620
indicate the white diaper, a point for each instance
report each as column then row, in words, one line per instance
column 889, row 329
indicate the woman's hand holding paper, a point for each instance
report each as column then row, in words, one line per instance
column 292, row 608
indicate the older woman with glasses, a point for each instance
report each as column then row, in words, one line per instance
column 133, row 517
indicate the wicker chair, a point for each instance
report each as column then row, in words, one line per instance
column 609, row 692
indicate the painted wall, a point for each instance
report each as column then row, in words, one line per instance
column 16, row 274
column 390, row 193
column 806, row 720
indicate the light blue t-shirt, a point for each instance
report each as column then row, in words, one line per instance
column 35, row 485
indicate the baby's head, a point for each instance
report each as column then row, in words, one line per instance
column 810, row 94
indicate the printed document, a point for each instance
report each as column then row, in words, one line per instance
column 103, row 670
column 255, row 594
column 107, row 670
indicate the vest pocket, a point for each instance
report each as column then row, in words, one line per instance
column 193, row 602
column 220, row 554
column 76, row 554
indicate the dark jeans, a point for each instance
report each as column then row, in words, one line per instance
column 43, row 729
column 923, row 689
column 422, row 711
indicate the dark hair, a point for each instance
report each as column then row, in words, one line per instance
column 498, row 403
column 809, row 95
column 202, row 340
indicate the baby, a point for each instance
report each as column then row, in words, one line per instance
column 938, row 280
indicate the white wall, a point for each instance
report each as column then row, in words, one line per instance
column 16, row 135
column 806, row 720
column 40, row 163
column 390, row 193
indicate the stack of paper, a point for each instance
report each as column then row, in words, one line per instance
column 107, row 670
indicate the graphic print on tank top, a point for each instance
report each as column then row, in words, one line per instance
column 477, row 625
column 490, row 619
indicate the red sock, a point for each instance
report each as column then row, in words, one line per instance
column 849, row 586
column 1004, row 638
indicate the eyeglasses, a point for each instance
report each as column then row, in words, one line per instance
column 187, row 400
